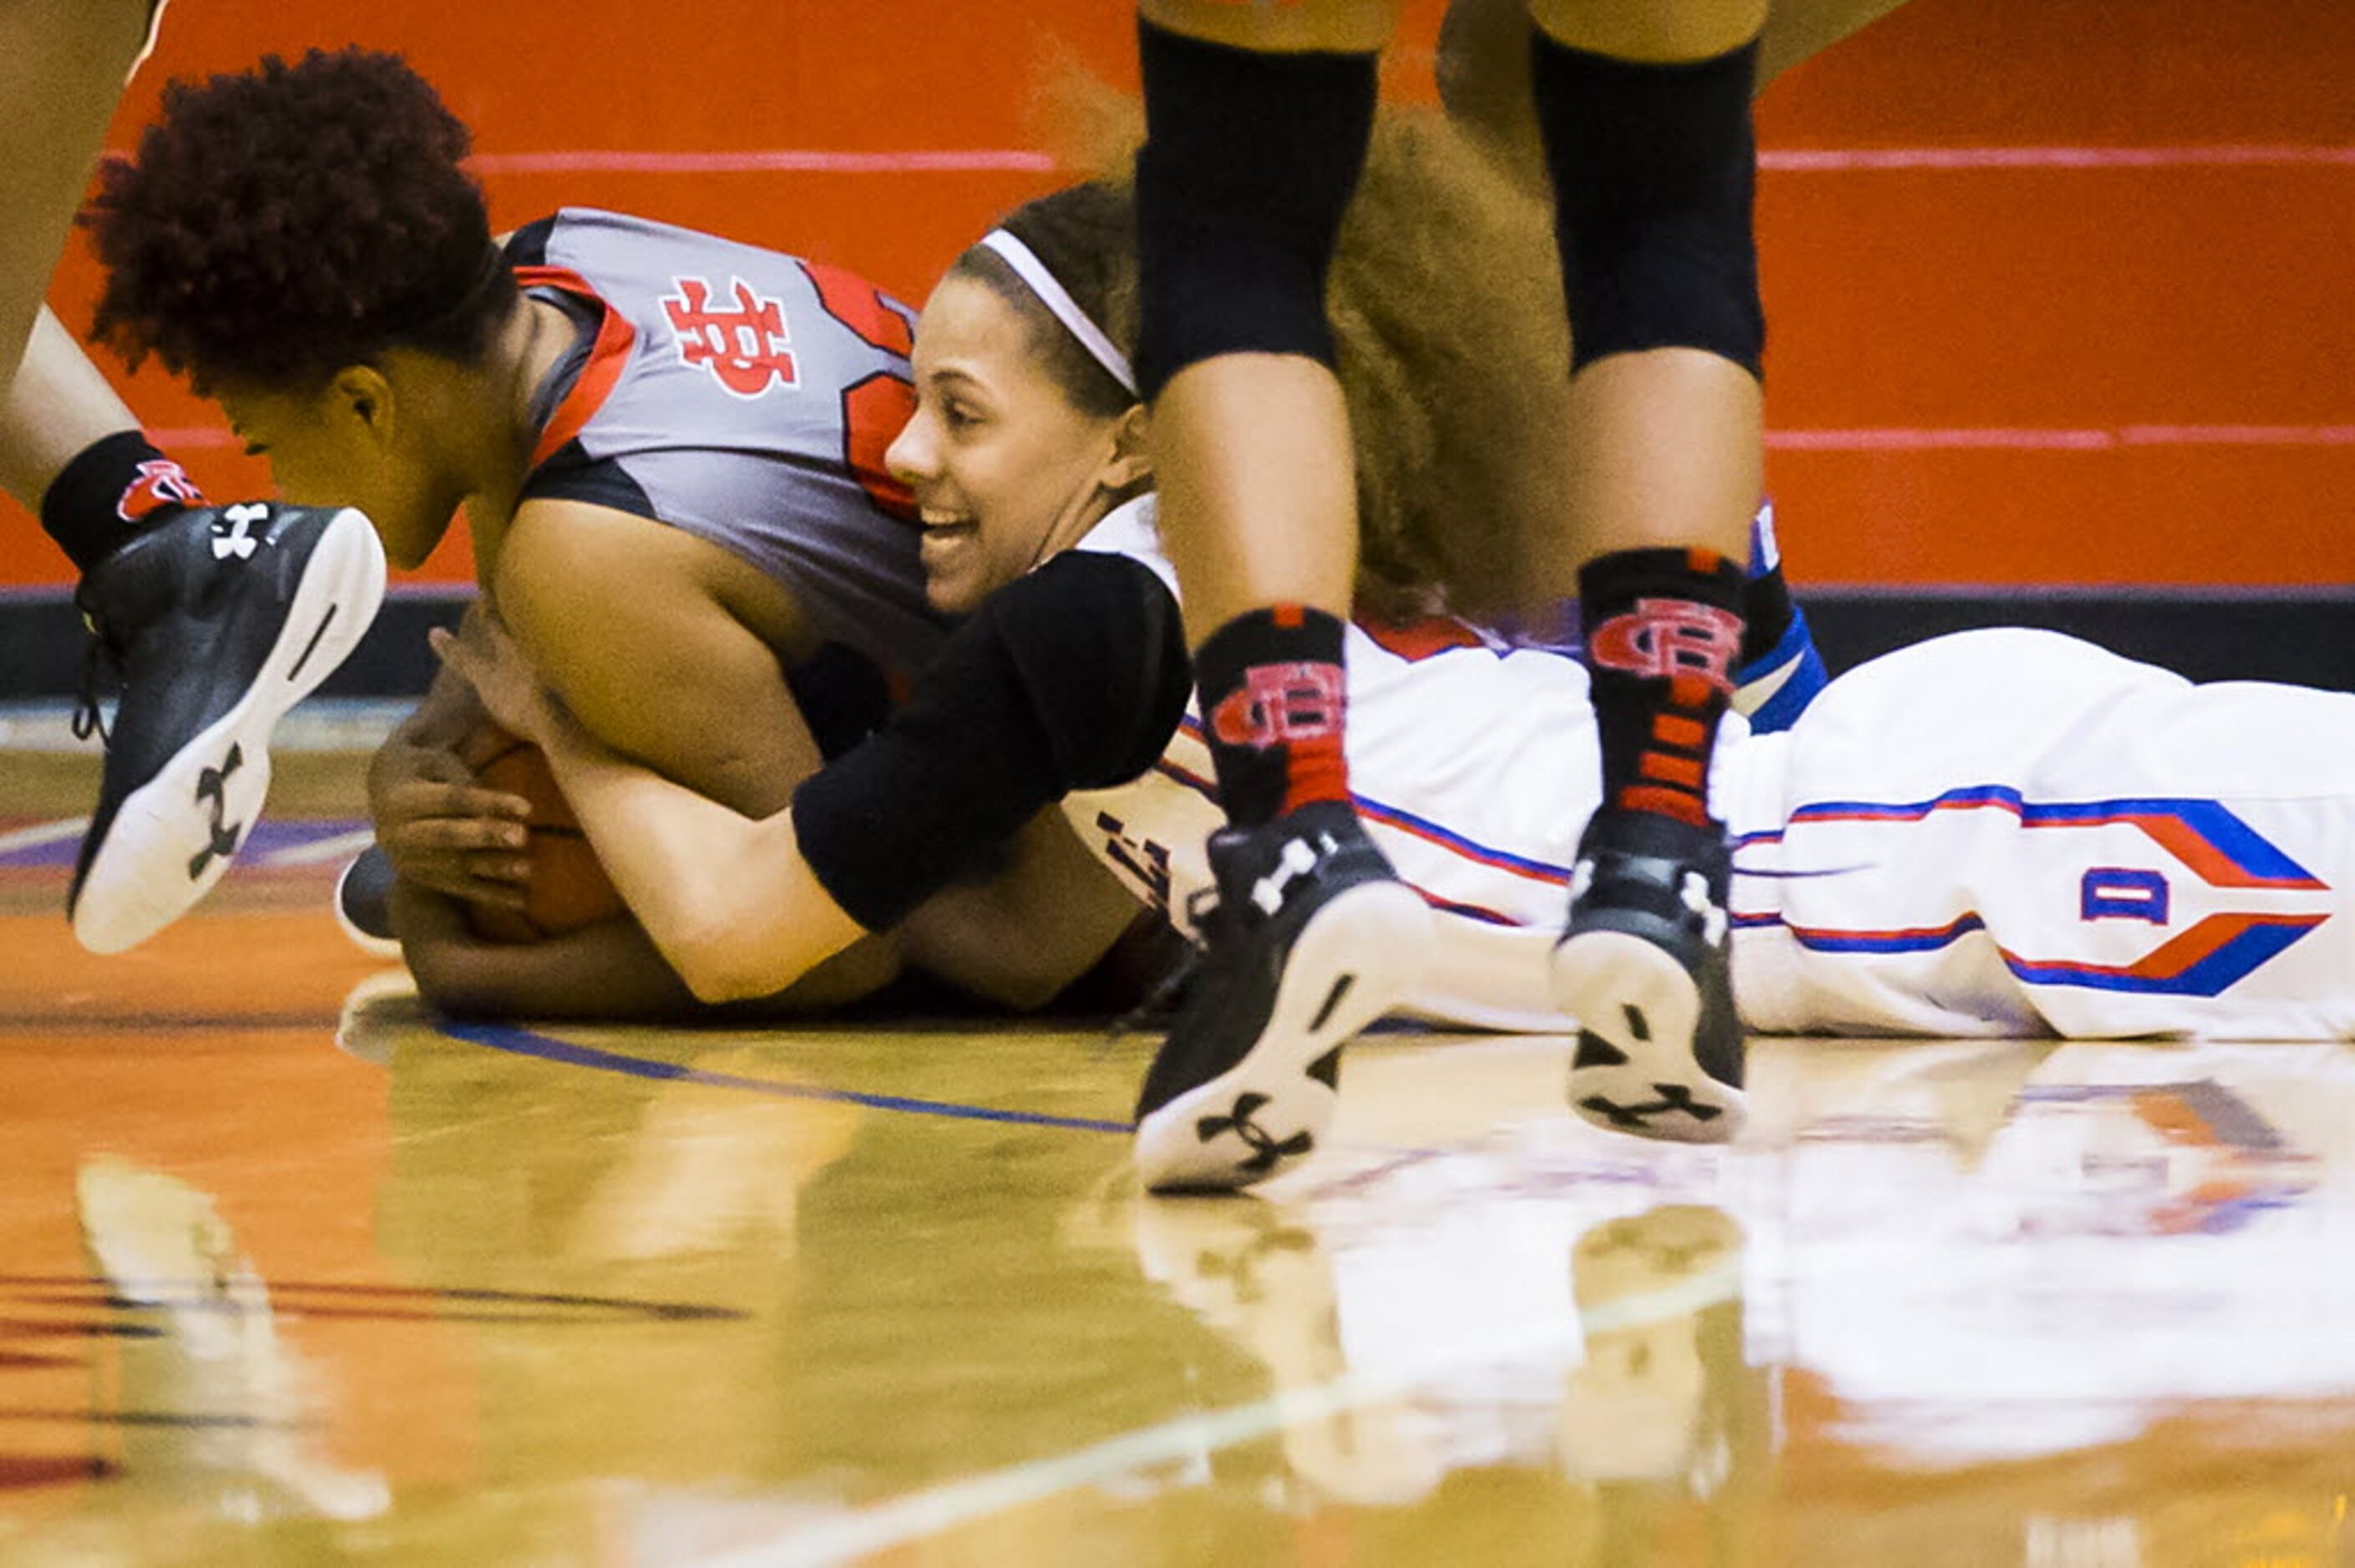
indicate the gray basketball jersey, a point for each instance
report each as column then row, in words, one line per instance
column 745, row 397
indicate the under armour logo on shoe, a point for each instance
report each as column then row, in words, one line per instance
column 1673, row 1097
column 236, row 541
column 1299, row 859
column 1712, row 913
column 1266, row 1150
column 212, row 784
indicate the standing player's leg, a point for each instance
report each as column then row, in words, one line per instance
column 1645, row 114
column 62, row 66
column 220, row 619
column 1257, row 120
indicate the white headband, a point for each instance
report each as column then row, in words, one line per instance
column 1059, row 302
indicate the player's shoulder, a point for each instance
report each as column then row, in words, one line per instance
column 1091, row 587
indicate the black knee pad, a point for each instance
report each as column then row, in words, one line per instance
column 1654, row 169
column 1247, row 168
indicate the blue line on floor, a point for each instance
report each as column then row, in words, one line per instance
column 525, row 1043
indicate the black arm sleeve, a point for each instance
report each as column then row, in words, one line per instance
column 1072, row 677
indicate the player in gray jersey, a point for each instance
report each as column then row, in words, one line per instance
column 667, row 447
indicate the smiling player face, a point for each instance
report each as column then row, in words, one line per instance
column 1006, row 471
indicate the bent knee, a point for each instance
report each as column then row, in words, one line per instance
column 1355, row 27
column 1661, row 32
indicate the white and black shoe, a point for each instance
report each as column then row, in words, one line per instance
column 1312, row 937
column 364, row 903
column 1642, row 967
column 216, row 622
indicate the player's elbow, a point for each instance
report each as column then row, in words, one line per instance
column 722, row 960
column 1019, row 988
column 750, row 923
column 715, row 981
column 457, row 982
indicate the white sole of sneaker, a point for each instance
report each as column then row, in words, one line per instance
column 1639, row 1002
column 161, row 854
column 1356, row 959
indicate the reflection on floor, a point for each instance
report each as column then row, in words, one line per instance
column 292, row 1272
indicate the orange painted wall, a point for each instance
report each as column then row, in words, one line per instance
column 2133, row 368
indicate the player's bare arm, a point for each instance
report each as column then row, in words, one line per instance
column 610, row 972
column 728, row 898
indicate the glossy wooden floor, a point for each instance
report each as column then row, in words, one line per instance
column 293, row 1272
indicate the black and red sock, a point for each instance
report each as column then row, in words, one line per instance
column 110, row 493
column 1275, row 701
column 1663, row 635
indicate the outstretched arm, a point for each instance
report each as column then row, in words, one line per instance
column 608, row 971
column 1072, row 678
column 729, row 900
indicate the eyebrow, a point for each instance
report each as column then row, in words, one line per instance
column 965, row 378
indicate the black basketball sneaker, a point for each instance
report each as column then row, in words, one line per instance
column 1643, row 967
column 364, row 903
column 1310, row 938
column 216, row 622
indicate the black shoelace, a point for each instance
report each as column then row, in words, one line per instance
column 101, row 668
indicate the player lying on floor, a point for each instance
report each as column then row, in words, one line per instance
column 2004, row 833
column 964, row 931
column 675, row 511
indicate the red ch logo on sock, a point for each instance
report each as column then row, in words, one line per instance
column 1278, row 704
column 158, row 482
column 1665, row 638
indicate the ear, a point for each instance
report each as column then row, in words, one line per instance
column 362, row 393
column 1132, row 451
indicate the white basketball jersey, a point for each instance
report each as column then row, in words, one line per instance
column 1995, row 833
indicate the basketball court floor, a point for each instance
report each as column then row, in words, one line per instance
column 292, row 1272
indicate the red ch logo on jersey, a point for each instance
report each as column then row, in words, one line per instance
column 744, row 348
column 1670, row 637
column 1280, row 703
column 159, row 483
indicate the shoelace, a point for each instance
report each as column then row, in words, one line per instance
column 102, row 665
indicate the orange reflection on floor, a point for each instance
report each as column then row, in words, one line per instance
column 295, row 1271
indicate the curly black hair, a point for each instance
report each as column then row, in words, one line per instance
column 281, row 222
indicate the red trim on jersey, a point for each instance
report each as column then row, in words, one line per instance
column 865, row 309
column 608, row 356
column 1372, row 813
column 1414, row 641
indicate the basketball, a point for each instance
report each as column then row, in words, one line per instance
column 568, row 887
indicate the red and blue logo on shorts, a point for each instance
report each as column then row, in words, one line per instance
column 2204, row 838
